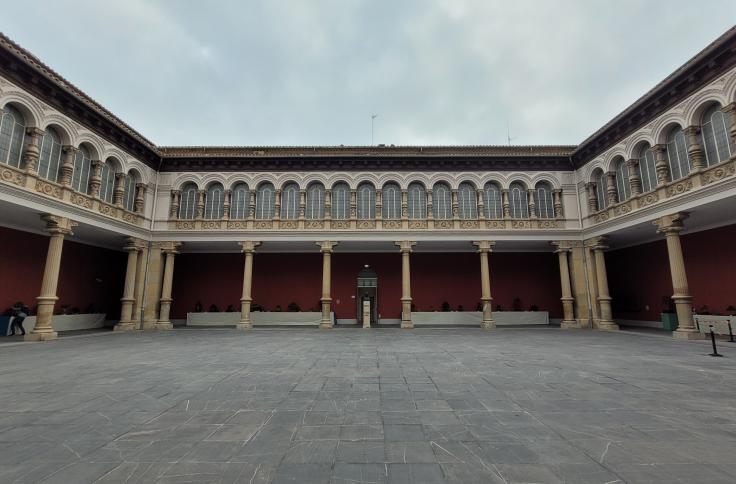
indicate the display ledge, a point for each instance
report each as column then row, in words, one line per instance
column 61, row 322
column 273, row 318
column 473, row 318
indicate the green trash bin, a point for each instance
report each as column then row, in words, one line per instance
column 669, row 321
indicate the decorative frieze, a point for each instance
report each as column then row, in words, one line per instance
column 719, row 172
column 11, row 175
column 679, row 187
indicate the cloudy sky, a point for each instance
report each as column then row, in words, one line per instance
column 278, row 72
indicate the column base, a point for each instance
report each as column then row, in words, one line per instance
column 688, row 334
column 488, row 324
column 571, row 324
column 46, row 336
column 164, row 325
column 325, row 324
column 148, row 325
column 129, row 326
column 244, row 325
column 407, row 325
column 607, row 326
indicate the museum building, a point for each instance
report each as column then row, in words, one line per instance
column 633, row 226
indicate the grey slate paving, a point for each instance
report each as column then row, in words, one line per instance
column 381, row 406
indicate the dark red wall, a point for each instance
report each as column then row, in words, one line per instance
column 88, row 275
column 279, row 279
column 640, row 276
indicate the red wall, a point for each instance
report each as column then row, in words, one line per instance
column 640, row 276
column 88, row 275
column 279, row 279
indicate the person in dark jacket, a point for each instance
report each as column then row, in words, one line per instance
column 20, row 312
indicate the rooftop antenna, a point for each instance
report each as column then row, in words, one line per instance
column 373, row 117
column 508, row 134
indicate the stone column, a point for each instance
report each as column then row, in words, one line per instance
column 170, row 250
column 67, row 165
column 532, row 203
column 140, row 286
column 481, row 203
column 95, row 180
column 455, row 205
column 611, row 192
column 251, row 205
column 405, row 247
column 505, row 202
column 277, row 204
column 568, row 309
column 606, row 322
column 660, row 164
column 326, row 248
column 126, row 309
column 557, row 197
column 249, row 248
column 201, row 195
column 634, row 176
column 174, row 207
column 153, row 281
column 119, row 190
column 328, row 203
column 430, row 205
column 57, row 227
column 33, row 150
column 730, row 111
column 140, row 197
column 671, row 226
column 592, row 199
column 694, row 148
column 484, row 248
column 226, row 204
column 592, row 283
column 302, row 204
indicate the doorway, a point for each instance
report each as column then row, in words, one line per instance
column 367, row 291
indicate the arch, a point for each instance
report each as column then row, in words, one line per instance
column 315, row 208
column 12, row 136
column 677, row 156
column 518, row 200
column 441, row 201
column 601, row 194
column 715, row 137
column 185, row 179
column 366, row 200
column 391, row 201
column 239, row 200
column 210, row 178
column 544, row 200
column 27, row 106
column 49, row 160
column 419, row 178
column 551, row 180
column 265, row 201
column 290, row 201
column 700, row 103
column 341, row 200
column 634, row 144
column 82, row 168
column 663, row 126
column 214, row 200
column 623, row 183
column 611, row 159
column 467, row 201
column 62, row 127
column 107, row 183
column 519, row 177
column 492, row 200
column 92, row 145
column 188, row 201
column 417, row 200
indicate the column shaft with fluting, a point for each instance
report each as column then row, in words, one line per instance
column 568, row 309
column 484, row 248
column 604, row 299
column 326, row 299
column 126, row 306
column 170, row 252
column 405, row 247
column 249, row 248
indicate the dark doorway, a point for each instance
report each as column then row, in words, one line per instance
column 367, row 290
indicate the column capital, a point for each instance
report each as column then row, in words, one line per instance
column 562, row 245
column 34, row 132
column 58, row 225
column 176, row 192
column 69, row 149
column 326, row 246
column 484, row 245
column 249, row 246
column 693, row 130
column 119, row 175
column 133, row 243
column 673, row 223
column 728, row 108
column 405, row 245
column 95, row 163
column 141, row 185
column 659, row 148
column 632, row 162
column 558, row 191
column 170, row 247
column 597, row 243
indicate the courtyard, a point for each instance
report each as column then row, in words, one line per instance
column 368, row 406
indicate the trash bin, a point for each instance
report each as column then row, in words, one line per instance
column 669, row 321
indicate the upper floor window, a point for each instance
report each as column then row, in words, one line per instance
column 107, row 184
column 391, row 199
column 417, row 201
column 265, row 201
column 600, row 190
column 290, row 201
column 341, row 201
column 366, row 201
column 49, row 160
column 716, row 140
column 492, row 201
column 239, row 201
column 467, row 201
column 129, row 192
column 519, row 201
column 315, row 201
column 12, row 133
column 442, row 201
column 677, row 154
column 214, row 201
column 623, row 184
column 647, row 169
column 188, row 201
column 545, row 202
column 82, row 167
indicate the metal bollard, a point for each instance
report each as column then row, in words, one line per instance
column 713, row 342
column 730, row 332
column 697, row 324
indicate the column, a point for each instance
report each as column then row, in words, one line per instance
column 174, row 207
column 249, row 248
column 532, row 203
column 730, row 111
column 326, row 248
column 95, row 180
column 57, row 227
column 455, row 205
column 33, row 150
column 126, row 309
column 201, row 195
column 557, row 197
column 430, row 205
column 140, row 197
column 660, row 164
column 506, row 205
column 694, row 148
column 405, row 247
column 592, row 200
column 152, row 283
column 481, row 203
column 302, row 204
column 140, row 284
column 170, row 250
column 484, row 248
column 328, row 203
column 592, row 284
column 568, row 309
column 119, row 190
column 277, row 204
column 604, row 299
column 634, row 176
column 67, row 165
column 611, row 192
column 671, row 226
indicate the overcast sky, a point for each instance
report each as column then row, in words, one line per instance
column 277, row 72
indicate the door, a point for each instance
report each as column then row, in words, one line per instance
column 367, row 290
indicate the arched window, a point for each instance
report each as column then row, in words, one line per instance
column 493, row 204
column 290, row 201
column 417, row 201
column 391, row 197
column 107, row 184
column 315, row 201
column 213, row 202
column 340, row 201
column 188, row 201
column 601, row 196
column 518, row 200
column 623, row 184
column 716, row 140
column 129, row 192
column 677, row 154
column 239, row 201
column 12, row 132
column 467, row 200
column 366, row 201
column 647, row 169
column 80, row 175
column 50, row 157
column 441, row 201
column 265, row 201
column 545, row 202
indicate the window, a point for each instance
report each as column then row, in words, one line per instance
column 467, row 201
column 214, row 202
column 290, row 201
column 340, row 201
column 417, row 200
column 240, row 200
column 12, row 132
column 391, row 201
column 519, row 202
column 50, row 157
column 188, row 201
column 545, row 201
column 129, row 192
column 623, row 184
column 80, row 175
column 265, row 201
column 601, row 197
column 107, row 184
column 366, row 201
column 677, row 154
column 442, row 201
column 647, row 169
column 315, row 201
column 492, row 200
column 716, row 140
